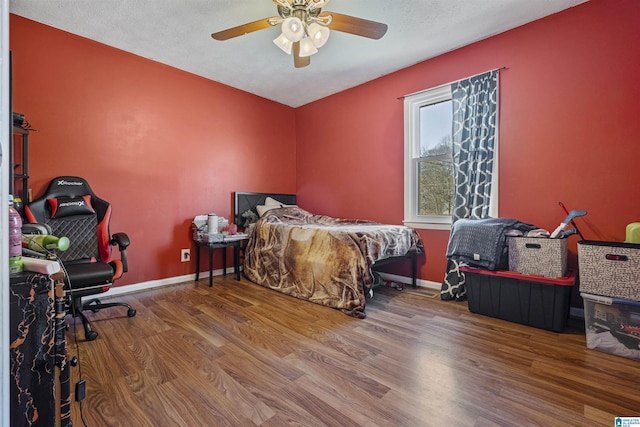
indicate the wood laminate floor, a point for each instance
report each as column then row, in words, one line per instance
column 238, row 354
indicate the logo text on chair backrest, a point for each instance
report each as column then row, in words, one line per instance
column 74, row 203
column 64, row 182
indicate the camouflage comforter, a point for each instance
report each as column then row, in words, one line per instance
column 322, row 259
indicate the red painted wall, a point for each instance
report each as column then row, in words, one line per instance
column 160, row 144
column 569, row 128
column 164, row 145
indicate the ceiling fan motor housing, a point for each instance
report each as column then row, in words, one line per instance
column 298, row 9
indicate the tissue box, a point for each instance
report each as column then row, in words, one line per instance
column 538, row 256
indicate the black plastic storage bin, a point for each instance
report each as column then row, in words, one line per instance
column 535, row 301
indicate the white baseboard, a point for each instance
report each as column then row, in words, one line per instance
column 407, row 280
column 575, row 312
column 152, row 284
column 144, row 286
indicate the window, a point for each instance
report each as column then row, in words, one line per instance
column 451, row 146
column 429, row 180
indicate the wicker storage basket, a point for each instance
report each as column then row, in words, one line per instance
column 610, row 269
column 538, row 256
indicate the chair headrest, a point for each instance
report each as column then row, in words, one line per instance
column 71, row 186
column 70, row 189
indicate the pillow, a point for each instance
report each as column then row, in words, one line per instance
column 262, row 209
column 272, row 202
column 269, row 203
column 67, row 206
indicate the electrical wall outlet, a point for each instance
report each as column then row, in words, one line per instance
column 185, row 255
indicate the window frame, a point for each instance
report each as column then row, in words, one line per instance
column 412, row 105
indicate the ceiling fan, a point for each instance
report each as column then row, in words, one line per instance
column 305, row 28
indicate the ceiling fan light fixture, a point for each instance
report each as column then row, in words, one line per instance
column 283, row 43
column 305, row 28
column 319, row 34
column 293, row 29
column 307, row 47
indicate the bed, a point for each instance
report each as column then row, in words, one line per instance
column 318, row 258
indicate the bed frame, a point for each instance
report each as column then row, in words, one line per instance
column 412, row 256
column 244, row 201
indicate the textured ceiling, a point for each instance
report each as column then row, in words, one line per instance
column 178, row 33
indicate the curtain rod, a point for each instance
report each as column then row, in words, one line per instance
column 451, row 82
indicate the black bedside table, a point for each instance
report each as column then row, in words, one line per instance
column 237, row 242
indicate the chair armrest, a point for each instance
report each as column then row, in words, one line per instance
column 122, row 240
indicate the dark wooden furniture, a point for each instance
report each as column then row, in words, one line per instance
column 236, row 244
column 20, row 170
column 38, row 351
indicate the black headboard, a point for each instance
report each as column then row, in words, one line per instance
column 248, row 201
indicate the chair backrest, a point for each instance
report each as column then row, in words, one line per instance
column 71, row 209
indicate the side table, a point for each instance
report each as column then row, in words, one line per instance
column 237, row 243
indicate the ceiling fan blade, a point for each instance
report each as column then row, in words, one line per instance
column 356, row 26
column 299, row 61
column 241, row 30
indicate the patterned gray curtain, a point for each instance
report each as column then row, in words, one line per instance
column 475, row 105
column 475, row 109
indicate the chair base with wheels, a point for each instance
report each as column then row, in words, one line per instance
column 76, row 308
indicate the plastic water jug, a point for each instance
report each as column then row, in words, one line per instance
column 15, row 239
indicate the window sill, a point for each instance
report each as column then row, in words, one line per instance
column 427, row 225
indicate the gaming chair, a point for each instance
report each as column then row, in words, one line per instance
column 70, row 208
